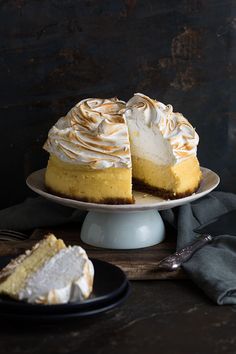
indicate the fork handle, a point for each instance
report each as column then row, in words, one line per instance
column 174, row 261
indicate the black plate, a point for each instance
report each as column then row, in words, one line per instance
column 109, row 282
column 15, row 318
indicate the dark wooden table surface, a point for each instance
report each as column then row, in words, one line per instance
column 160, row 316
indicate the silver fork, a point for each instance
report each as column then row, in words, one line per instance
column 12, row 235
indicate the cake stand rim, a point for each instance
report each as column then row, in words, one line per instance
column 35, row 181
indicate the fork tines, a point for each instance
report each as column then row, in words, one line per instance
column 12, row 234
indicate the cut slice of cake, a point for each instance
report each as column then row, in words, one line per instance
column 163, row 148
column 49, row 273
column 90, row 153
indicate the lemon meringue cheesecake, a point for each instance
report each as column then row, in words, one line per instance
column 93, row 148
column 90, row 156
column 49, row 273
column 163, row 148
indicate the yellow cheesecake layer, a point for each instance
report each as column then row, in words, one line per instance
column 170, row 181
column 14, row 275
column 108, row 185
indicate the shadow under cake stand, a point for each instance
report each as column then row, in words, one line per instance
column 128, row 226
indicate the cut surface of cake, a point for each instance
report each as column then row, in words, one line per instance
column 163, row 148
column 49, row 273
column 90, row 153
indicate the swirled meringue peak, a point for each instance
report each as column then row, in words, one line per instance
column 93, row 133
column 157, row 133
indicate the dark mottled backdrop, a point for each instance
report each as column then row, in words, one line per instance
column 55, row 52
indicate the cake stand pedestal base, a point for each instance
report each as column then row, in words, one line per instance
column 123, row 230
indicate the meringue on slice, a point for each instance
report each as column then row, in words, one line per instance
column 66, row 277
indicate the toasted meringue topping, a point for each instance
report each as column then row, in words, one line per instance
column 93, row 133
column 65, row 277
column 180, row 138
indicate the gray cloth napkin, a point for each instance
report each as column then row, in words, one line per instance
column 38, row 212
column 212, row 268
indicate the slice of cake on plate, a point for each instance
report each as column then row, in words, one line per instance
column 163, row 148
column 90, row 153
column 49, row 273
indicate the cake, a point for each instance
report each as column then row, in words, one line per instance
column 49, row 273
column 103, row 145
column 163, row 148
column 90, row 153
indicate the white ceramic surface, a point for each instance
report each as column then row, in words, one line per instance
column 127, row 226
column 143, row 201
column 123, row 230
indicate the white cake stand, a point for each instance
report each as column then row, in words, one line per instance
column 128, row 226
